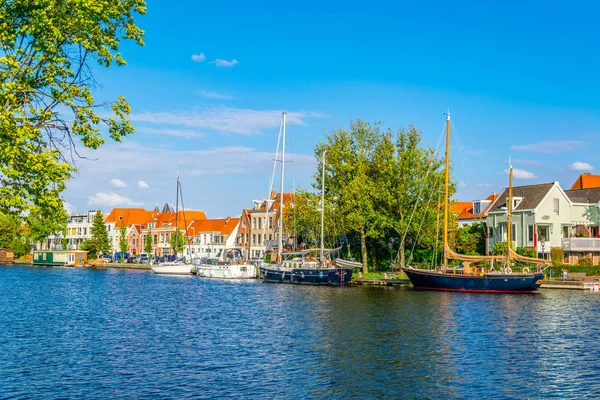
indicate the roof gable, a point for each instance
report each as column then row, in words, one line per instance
column 586, row 181
column 532, row 196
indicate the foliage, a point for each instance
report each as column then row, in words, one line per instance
column 527, row 252
column 177, row 241
column 500, row 248
column 379, row 186
column 470, row 240
column 47, row 49
column 148, row 241
column 123, row 242
column 558, row 268
column 592, row 214
column 42, row 224
column 557, row 255
column 12, row 235
column 99, row 242
column 585, row 262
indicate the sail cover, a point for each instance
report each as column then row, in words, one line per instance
column 517, row 257
column 452, row 255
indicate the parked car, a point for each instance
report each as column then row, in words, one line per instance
column 143, row 258
column 106, row 258
column 118, row 256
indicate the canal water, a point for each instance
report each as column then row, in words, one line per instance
column 82, row 333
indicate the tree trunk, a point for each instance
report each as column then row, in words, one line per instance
column 402, row 258
column 363, row 248
column 374, row 257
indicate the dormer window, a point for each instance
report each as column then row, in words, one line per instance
column 476, row 207
column 516, row 202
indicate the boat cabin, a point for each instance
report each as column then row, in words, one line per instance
column 60, row 257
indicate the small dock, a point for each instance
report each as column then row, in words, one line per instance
column 380, row 281
column 567, row 284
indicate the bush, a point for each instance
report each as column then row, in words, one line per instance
column 585, row 262
column 527, row 251
column 589, row 270
column 557, row 255
column 499, row 248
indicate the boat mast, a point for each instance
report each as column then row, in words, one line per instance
column 509, row 216
column 323, row 202
column 280, row 238
column 446, row 190
column 176, row 216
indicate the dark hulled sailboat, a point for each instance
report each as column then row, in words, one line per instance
column 467, row 279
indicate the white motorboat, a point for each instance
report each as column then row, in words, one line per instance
column 229, row 264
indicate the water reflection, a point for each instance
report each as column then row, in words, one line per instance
column 97, row 334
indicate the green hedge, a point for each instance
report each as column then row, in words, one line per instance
column 590, row 271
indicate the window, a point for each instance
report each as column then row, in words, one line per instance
column 253, row 238
column 84, row 231
column 565, row 231
column 260, row 223
column 543, row 233
column 155, row 238
column 244, row 224
column 530, row 234
column 270, row 236
column 557, row 206
column 491, row 233
column 254, row 223
column 476, row 208
column 270, row 222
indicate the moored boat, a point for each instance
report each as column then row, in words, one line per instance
column 477, row 279
column 229, row 264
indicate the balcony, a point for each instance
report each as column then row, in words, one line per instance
column 581, row 244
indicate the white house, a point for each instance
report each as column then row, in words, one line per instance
column 211, row 236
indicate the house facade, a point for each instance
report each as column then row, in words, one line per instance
column 163, row 225
column 546, row 216
column 208, row 238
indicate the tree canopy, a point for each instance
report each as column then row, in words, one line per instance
column 99, row 242
column 47, row 106
column 383, row 187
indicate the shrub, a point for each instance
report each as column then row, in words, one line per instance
column 589, row 270
column 585, row 262
column 527, row 251
column 557, row 255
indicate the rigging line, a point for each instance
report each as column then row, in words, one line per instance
column 271, row 186
column 421, row 226
column 433, row 157
column 437, row 232
column 467, row 165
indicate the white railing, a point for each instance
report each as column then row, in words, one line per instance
column 581, row 244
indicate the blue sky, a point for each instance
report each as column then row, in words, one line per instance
column 520, row 80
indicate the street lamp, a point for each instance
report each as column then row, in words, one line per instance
column 543, row 243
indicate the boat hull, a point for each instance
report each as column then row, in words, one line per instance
column 234, row 271
column 172, row 269
column 307, row 276
column 488, row 283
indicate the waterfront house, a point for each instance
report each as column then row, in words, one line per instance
column 211, row 236
column 264, row 218
column 244, row 232
column 59, row 257
column 127, row 217
column 6, row 256
column 471, row 212
column 546, row 216
column 162, row 226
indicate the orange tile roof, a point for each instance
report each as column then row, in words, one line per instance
column 464, row 209
column 223, row 225
column 167, row 219
column 586, row 181
column 129, row 216
column 288, row 198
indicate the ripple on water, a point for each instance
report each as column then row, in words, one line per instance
column 78, row 333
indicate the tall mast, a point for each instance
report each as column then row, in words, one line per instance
column 509, row 216
column 446, row 190
column 176, row 215
column 280, row 239
column 323, row 201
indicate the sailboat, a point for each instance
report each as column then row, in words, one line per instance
column 229, row 264
column 175, row 267
column 467, row 278
column 304, row 267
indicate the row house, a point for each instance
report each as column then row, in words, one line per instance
column 163, row 225
column 264, row 224
column 244, row 232
column 127, row 217
column 546, row 216
column 209, row 237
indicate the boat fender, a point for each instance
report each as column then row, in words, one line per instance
column 526, row 270
column 283, row 276
column 321, row 275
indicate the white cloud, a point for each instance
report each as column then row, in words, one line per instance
column 225, row 119
column 214, row 95
column 521, row 174
column 183, row 133
column 550, row 146
column 143, row 185
column 224, row 63
column 111, row 200
column 581, row 166
column 118, row 183
column 198, row 57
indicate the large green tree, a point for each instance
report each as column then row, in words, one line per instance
column 99, row 242
column 41, row 225
column 381, row 186
column 47, row 52
column 12, row 235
